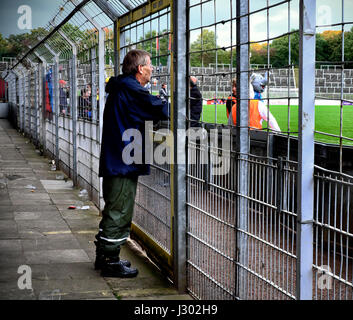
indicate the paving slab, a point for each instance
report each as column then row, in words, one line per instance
column 10, row 245
column 12, row 258
column 71, row 289
column 56, row 256
column 8, row 229
column 54, row 186
column 51, row 242
column 11, row 291
column 40, row 215
column 39, row 232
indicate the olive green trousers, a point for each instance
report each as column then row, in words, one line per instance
column 119, row 196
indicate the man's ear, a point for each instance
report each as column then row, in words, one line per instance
column 140, row 69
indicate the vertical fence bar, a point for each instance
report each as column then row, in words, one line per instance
column 101, row 85
column 116, row 49
column 74, row 116
column 56, row 107
column 242, row 143
column 306, row 122
column 36, row 104
column 28, row 98
column 25, row 102
column 178, row 189
column 44, row 140
column 29, row 103
column 94, row 85
column 101, row 79
column 20, row 99
column 23, row 94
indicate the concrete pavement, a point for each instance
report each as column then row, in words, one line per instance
column 47, row 250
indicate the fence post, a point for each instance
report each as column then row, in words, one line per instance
column 73, row 98
column 25, row 102
column 73, row 68
column 242, row 144
column 29, row 104
column 56, row 99
column 306, row 122
column 36, row 104
column 116, row 49
column 94, row 86
column 113, row 15
column 22, row 106
column 56, row 108
column 178, row 116
column 101, row 79
column 16, row 93
column 20, row 90
column 44, row 125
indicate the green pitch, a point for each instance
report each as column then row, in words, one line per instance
column 327, row 119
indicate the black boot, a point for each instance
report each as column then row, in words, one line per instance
column 100, row 258
column 113, row 267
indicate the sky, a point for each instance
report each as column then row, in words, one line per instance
column 328, row 11
column 10, row 19
column 282, row 18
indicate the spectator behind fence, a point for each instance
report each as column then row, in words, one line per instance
column 63, row 96
column 163, row 92
column 85, row 102
column 128, row 106
column 258, row 111
column 195, row 103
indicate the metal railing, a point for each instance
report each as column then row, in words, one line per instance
column 276, row 223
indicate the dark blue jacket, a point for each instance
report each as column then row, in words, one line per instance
column 195, row 106
column 128, row 106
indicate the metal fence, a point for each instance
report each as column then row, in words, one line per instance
column 233, row 212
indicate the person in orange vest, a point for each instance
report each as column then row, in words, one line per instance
column 258, row 111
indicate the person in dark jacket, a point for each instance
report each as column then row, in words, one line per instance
column 163, row 92
column 128, row 106
column 195, row 103
column 62, row 96
column 232, row 99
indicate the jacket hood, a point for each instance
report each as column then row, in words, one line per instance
column 123, row 81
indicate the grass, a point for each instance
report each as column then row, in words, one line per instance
column 327, row 119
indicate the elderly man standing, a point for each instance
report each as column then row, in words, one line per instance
column 129, row 105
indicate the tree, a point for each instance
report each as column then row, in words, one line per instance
column 258, row 53
column 322, row 48
column 279, row 53
column 159, row 49
column 18, row 44
column 333, row 39
column 4, row 47
column 348, row 48
column 206, row 42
